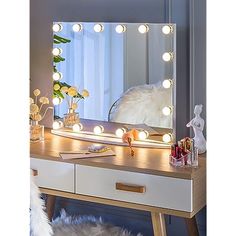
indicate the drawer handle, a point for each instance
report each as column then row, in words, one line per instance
column 34, row 172
column 131, row 188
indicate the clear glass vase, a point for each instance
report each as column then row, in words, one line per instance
column 36, row 131
column 71, row 118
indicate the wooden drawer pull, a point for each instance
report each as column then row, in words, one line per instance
column 131, row 188
column 34, row 172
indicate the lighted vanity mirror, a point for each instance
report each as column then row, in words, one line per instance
column 127, row 69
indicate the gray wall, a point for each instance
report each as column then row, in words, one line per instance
column 190, row 66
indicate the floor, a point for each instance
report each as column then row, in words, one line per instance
column 134, row 220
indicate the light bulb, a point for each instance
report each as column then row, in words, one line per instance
column 56, row 101
column 167, row 83
column 77, row 27
column 143, row 29
column 77, row 127
column 167, row 29
column 120, row 29
column 166, row 111
column 167, row 56
column 57, row 76
column 56, row 51
column 57, row 124
column 120, row 132
column 98, row 28
column 98, row 129
column 166, row 138
column 57, row 27
column 142, row 135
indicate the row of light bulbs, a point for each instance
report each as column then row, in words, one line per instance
column 121, row 28
column 167, row 56
column 99, row 129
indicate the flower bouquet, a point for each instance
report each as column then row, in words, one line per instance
column 37, row 113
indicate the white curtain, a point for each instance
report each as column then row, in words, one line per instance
column 93, row 61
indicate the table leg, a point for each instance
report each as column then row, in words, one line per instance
column 50, row 206
column 158, row 224
column 191, row 224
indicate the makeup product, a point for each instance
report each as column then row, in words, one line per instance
column 97, row 148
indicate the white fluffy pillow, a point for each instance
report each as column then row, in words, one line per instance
column 143, row 105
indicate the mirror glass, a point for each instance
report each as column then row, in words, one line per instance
column 124, row 72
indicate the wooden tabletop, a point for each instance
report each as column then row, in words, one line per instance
column 146, row 160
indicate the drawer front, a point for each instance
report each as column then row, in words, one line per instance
column 53, row 174
column 158, row 191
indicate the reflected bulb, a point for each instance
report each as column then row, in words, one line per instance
column 167, row 29
column 120, row 29
column 98, row 28
column 166, row 111
column 77, row 27
column 57, row 76
column 77, row 127
column 57, row 27
column 56, row 51
column 166, row 138
column 56, row 101
column 98, row 129
column 167, row 56
column 143, row 29
column 142, row 135
column 120, row 132
column 57, row 124
column 167, row 83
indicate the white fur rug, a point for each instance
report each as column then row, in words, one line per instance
column 66, row 225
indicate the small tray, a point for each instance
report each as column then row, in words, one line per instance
column 179, row 162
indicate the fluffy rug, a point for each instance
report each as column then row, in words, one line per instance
column 66, row 225
column 85, row 226
column 143, row 105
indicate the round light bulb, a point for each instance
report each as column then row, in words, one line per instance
column 56, row 101
column 98, row 28
column 98, row 129
column 142, row 135
column 120, row 132
column 143, row 29
column 57, row 76
column 166, row 111
column 77, row 27
column 167, row 83
column 167, row 29
column 57, row 27
column 57, row 124
column 166, row 138
column 77, row 127
column 120, row 29
column 167, row 56
column 56, row 51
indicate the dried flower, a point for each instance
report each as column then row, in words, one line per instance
column 72, row 91
column 128, row 137
column 64, row 89
column 31, row 100
column 37, row 117
column 44, row 100
column 34, row 109
column 36, row 92
column 74, row 106
column 56, row 87
column 85, row 93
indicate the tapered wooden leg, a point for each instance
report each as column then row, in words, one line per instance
column 158, row 224
column 50, row 206
column 192, row 226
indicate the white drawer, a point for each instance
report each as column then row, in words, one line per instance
column 160, row 191
column 53, row 174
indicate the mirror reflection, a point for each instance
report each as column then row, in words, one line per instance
column 119, row 72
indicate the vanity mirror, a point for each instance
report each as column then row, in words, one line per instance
column 121, row 73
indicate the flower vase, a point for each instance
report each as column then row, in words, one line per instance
column 71, row 118
column 36, row 131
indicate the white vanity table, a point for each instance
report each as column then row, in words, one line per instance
column 145, row 182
